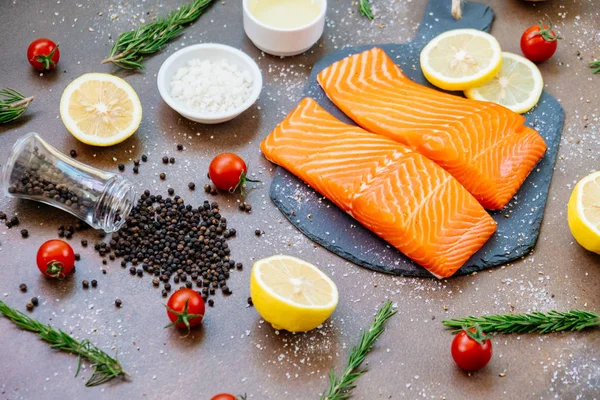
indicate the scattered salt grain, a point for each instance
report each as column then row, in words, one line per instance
column 211, row 86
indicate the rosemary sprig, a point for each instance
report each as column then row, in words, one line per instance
column 552, row 321
column 340, row 388
column 129, row 49
column 596, row 65
column 12, row 105
column 365, row 9
column 104, row 367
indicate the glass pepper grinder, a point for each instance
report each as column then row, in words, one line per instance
column 37, row 171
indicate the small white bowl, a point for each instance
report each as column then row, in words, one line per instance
column 284, row 42
column 213, row 52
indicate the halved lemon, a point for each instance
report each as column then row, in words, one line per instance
column 292, row 294
column 518, row 85
column 100, row 109
column 461, row 59
column 584, row 212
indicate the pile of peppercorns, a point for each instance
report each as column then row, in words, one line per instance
column 172, row 241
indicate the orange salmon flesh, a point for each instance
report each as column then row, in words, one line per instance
column 399, row 194
column 485, row 146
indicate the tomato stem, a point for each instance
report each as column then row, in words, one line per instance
column 242, row 183
column 46, row 60
column 54, row 269
column 184, row 317
column 478, row 335
column 546, row 33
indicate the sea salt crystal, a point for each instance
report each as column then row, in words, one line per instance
column 211, row 86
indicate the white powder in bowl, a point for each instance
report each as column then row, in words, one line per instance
column 211, row 86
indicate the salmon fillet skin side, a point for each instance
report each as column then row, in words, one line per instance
column 397, row 193
column 485, row 146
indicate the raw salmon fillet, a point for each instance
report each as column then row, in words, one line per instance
column 485, row 146
column 399, row 194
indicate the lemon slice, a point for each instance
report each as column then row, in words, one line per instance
column 584, row 212
column 292, row 294
column 518, row 85
column 100, row 109
column 461, row 59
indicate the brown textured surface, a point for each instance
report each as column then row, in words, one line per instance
column 234, row 351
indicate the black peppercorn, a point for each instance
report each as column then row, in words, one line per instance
column 207, row 188
column 136, row 163
column 162, row 176
column 132, row 270
column 73, row 153
column 144, row 158
column 165, row 160
column 136, row 170
column 180, row 147
column 211, row 302
column 85, row 284
column 35, row 301
column 192, row 185
column 14, row 221
column 94, row 283
column 77, row 256
column 250, row 303
column 165, row 293
column 24, row 233
column 171, row 191
column 118, row 303
column 23, row 287
column 84, row 243
column 121, row 167
column 140, row 272
column 172, row 160
column 258, row 232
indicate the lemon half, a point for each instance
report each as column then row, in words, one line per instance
column 518, row 85
column 461, row 59
column 584, row 212
column 100, row 109
column 292, row 294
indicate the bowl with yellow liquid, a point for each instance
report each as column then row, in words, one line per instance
column 284, row 27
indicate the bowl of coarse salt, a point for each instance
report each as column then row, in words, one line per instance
column 209, row 83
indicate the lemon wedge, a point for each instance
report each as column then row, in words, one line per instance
column 518, row 85
column 461, row 59
column 100, row 109
column 292, row 294
column 584, row 212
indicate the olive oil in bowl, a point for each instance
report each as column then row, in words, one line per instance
column 285, row 14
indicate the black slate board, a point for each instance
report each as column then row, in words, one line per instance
column 518, row 223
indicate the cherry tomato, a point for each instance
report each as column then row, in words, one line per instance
column 224, row 396
column 55, row 259
column 185, row 309
column 539, row 42
column 228, row 172
column 471, row 351
column 43, row 54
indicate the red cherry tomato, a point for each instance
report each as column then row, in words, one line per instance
column 185, row 309
column 467, row 353
column 539, row 42
column 224, row 396
column 228, row 172
column 43, row 54
column 55, row 259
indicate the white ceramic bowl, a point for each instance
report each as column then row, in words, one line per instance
column 214, row 52
column 283, row 42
